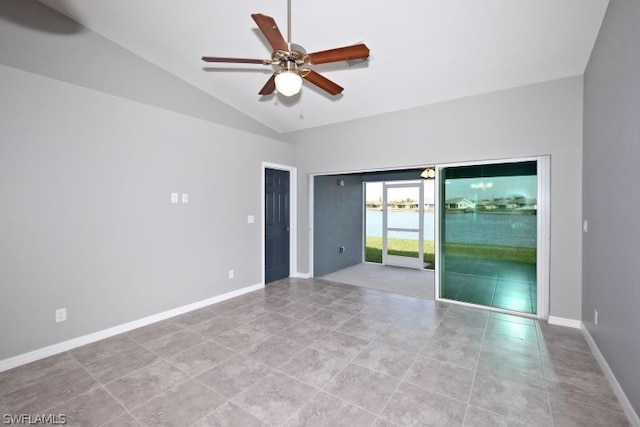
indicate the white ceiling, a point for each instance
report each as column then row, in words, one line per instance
column 422, row 51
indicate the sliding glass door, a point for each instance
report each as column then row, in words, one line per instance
column 489, row 235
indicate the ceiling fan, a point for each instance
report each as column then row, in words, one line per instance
column 292, row 61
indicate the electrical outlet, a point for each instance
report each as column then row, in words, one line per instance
column 595, row 316
column 61, row 315
column 185, row 198
column 174, row 197
column 231, row 274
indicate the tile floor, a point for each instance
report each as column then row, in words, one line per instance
column 502, row 284
column 406, row 281
column 312, row 352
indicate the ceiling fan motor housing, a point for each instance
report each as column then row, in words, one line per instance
column 296, row 54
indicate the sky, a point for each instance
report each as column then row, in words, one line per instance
column 470, row 188
column 498, row 187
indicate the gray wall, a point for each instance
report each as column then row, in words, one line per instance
column 35, row 38
column 611, row 200
column 533, row 120
column 86, row 221
column 338, row 214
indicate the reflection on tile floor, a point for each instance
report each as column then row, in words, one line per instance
column 312, row 352
column 503, row 284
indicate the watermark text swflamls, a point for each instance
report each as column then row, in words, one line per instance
column 34, row 419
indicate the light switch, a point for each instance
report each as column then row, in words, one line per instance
column 251, row 219
column 585, row 226
column 174, row 197
column 185, row 198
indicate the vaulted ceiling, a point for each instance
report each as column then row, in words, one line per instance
column 422, row 51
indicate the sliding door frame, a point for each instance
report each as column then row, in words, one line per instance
column 543, row 231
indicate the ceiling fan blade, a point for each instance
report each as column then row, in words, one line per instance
column 359, row 51
column 269, row 87
column 236, row 60
column 322, row 82
column 270, row 30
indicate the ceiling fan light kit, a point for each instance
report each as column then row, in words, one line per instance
column 288, row 82
column 287, row 58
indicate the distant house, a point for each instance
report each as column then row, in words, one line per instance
column 403, row 205
column 487, row 205
column 525, row 203
column 459, row 203
column 505, row 204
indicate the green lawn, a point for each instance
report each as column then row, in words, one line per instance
column 407, row 247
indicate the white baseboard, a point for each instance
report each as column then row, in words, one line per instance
column 563, row 321
column 615, row 385
column 51, row 350
column 302, row 275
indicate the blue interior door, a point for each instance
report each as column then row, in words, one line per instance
column 276, row 224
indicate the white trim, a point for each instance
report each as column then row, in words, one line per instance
column 563, row 321
column 615, row 385
column 436, row 233
column 61, row 347
column 310, row 191
column 543, row 260
column 302, row 275
column 293, row 215
column 396, row 260
column 364, row 221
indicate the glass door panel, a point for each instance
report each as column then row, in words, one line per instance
column 403, row 224
column 488, row 244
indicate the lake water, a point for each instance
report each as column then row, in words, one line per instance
column 487, row 228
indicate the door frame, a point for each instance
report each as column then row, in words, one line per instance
column 293, row 216
column 543, row 231
column 395, row 260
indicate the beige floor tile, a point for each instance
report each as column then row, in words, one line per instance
column 234, row 375
column 385, row 359
column 171, row 344
column 228, row 415
column 411, row 405
column 363, row 387
column 145, row 384
column 183, row 405
column 305, row 332
column 326, row 410
column 93, row 408
column 50, row 391
column 35, row 372
column 204, row 356
column 120, row 364
column 274, row 351
column 153, row 331
column 340, row 345
column 571, row 413
column 275, row 398
column 313, row 367
column 104, row 348
column 477, row 417
column 520, row 402
column 445, row 378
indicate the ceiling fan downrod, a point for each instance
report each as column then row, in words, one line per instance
column 289, row 23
